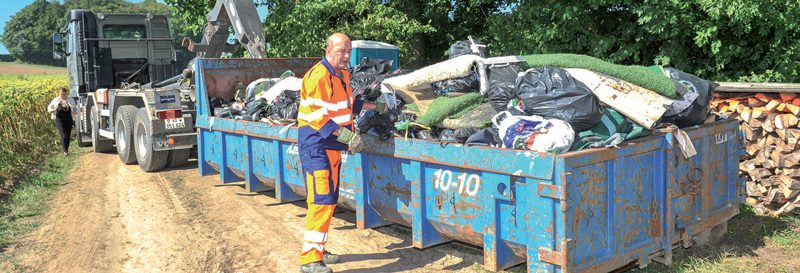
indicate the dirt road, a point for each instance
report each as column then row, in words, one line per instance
column 111, row 217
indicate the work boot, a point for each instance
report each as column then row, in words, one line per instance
column 315, row 267
column 330, row 258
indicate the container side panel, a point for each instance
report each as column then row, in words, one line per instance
column 685, row 187
column 540, row 212
column 636, row 210
column 292, row 171
column 235, row 153
column 504, row 190
column 718, row 160
column 390, row 186
column 588, row 213
column 615, row 206
column 212, row 151
column 351, row 176
column 459, row 203
column 705, row 186
column 265, row 162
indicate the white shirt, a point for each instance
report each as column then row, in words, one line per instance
column 54, row 105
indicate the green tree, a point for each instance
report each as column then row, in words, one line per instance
column 432, row 45
column 720, row 40
column 192, row 13
column 27, row 34
column 300, row 30
column 100, row 6
column 452, row 21
column 444, row 21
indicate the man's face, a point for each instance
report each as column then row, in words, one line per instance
column 339, row 54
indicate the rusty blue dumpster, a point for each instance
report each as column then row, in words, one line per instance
column 589, row 211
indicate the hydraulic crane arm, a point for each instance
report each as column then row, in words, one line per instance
column 239, row 14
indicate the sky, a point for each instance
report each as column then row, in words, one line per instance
column 10, row 7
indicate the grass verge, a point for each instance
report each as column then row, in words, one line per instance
column 753, row 243
column 18, row 212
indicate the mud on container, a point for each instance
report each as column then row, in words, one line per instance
column 589, row 211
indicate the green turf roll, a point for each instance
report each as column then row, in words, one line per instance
column 444, row 107
column 647, row 78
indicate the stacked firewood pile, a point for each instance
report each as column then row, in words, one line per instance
column 769, row 122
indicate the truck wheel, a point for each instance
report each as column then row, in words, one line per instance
column 123, row 133
column 100, row 144
column 178, row 158
column 149, row 159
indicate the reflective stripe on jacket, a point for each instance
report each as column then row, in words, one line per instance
column 326, row 104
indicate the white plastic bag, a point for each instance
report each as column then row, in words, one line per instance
column 533, row 133
column 270, row 89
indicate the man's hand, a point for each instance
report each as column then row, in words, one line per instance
column 350, row 138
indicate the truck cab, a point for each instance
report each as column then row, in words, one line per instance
column 112, row 50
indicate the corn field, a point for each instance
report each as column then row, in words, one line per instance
column 27, row 134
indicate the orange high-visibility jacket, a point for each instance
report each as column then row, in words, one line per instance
column 326, row 104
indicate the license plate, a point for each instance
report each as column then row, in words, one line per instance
column 174, row 123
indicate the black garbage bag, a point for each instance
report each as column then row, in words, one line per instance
column 502, row 85
column 380, row 125
column 217, row 103
column 459, row 135
column 286, row 105
column 469, row 46
column 470, row 83
column 369, row 66
column 484, row 137
column 256, row 109
column 462, row 134
column 226, row 112
column 285, row 111
column 448, row 135
column 551, row 92
column 406, row 117
column 427, row 135
column 365, row 78
column 697, row 111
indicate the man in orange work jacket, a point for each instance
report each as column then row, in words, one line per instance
column 325, row 129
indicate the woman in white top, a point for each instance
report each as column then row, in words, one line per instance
column 62, row 110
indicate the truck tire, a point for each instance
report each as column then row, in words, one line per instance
column 123, row 133
column 100, row 144
column 178, row 158
column 149, row 159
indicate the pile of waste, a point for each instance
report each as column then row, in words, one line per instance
column 545, row 103
column 270, row 100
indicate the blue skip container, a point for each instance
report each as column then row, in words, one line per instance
column 588, row 211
